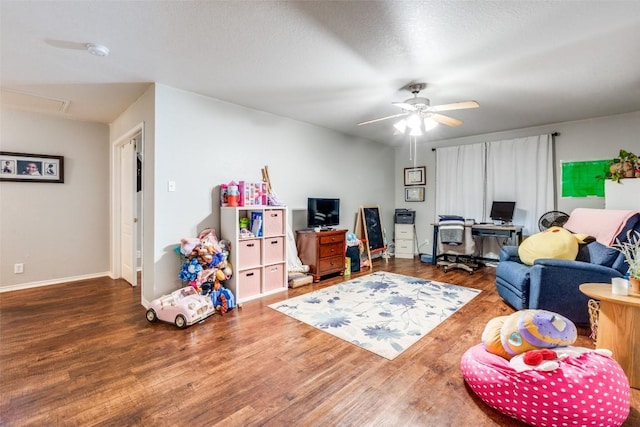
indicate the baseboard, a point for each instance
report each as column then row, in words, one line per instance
column 53, row 282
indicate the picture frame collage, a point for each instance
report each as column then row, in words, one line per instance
column 23, row 167
column 414, row 180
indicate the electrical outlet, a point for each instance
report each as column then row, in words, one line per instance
column 138, row 254
column 18, row 268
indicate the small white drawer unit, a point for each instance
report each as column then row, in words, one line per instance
column 404, row 239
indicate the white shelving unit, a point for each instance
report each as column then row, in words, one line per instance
column 259, row 263
column 622, row 195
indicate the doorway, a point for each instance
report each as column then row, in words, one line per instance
column 127, row 206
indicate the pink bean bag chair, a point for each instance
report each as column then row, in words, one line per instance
column 580, row 387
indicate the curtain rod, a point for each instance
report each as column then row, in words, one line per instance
column 553, row 134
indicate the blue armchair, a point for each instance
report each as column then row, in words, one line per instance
column 553, row 284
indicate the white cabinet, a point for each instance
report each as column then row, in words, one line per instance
column 624, row 194
column 260, row 262
column 404, row 239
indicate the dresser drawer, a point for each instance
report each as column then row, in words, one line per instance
column 274, row 277
column 273, row 222
column 330, row 265
column 248, row 253
column 273, row 250
column 404, row 246
column 404, row 231
column 333, row 238
column 327, row 251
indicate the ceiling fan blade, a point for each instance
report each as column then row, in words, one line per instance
column 382, row 118
column 455, row 106
column 405, row 106
column 446, row 120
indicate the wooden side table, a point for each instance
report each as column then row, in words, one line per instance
column 618, row 327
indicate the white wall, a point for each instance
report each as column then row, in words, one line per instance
column 59, row 231
column 593, row 139
column 141, row 112
column 200, row 142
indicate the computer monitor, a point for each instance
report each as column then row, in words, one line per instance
column 502, row 211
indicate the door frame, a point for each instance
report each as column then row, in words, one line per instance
column 116, row 255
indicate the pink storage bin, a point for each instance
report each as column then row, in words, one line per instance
column 249, row 253
column 249, row 283
column 273, row 222
column 273, row 250
column 274, row 277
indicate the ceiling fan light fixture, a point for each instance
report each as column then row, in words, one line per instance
column 97, row 49
column 414, row 122
column 416, row 131
column 429, row 123
column 401, row 125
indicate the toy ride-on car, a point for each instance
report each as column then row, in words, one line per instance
column 183, row 307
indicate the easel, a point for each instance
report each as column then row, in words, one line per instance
column 362, row 233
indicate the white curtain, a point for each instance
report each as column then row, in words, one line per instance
column 521, row 170
column 460, row 173
column 469, row 178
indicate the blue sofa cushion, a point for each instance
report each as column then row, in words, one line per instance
column 601, row 254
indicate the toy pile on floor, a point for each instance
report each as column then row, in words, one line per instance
column 206, row 267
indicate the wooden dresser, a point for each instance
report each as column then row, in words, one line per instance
column 322, row 251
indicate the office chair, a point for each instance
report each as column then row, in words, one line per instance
column 456, row 244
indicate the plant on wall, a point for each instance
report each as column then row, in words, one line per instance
column 626, row 165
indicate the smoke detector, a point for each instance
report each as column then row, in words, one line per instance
column 97, row 49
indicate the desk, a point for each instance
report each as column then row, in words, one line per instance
column 513, row 232
column 617, row 327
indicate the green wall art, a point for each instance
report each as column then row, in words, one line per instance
column 584, row 179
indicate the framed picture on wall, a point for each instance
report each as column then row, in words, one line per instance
column 415, row 176
column 414, row 194
column 31, row 167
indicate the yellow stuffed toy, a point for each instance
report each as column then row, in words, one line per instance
column 526, row 330
column 555, row 242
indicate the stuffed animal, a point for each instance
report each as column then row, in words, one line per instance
column 526, row 330
column 555, row 242
column 208, row 238
column 222, row 298
column 190, row 271
column 188, row 245
column 548, row 360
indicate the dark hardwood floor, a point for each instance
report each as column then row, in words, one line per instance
column 83, row 354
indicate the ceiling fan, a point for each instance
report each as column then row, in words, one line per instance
column 420, row 113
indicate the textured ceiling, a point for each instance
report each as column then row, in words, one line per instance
column 333, row 63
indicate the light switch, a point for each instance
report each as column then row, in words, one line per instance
column 171, row 186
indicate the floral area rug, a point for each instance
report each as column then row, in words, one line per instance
column 382, row 312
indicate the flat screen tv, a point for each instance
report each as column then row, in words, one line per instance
column 502, row 211
column 323, row 213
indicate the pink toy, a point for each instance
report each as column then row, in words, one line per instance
column 183, row 307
